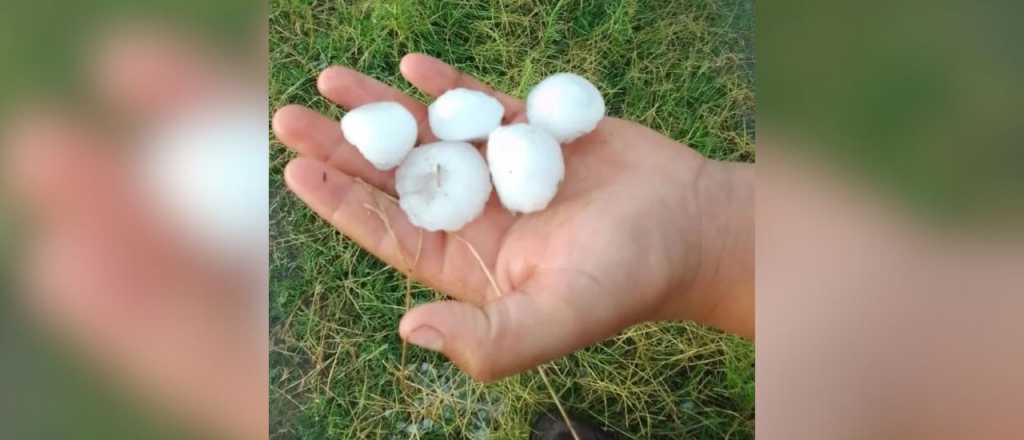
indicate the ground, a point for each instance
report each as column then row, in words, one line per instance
column 681, row 67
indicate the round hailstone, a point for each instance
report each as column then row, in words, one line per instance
column 383, row 132
column 566, row 105
column 526, row 165
column 443, row 185
column 206, row 168
column 464, row 115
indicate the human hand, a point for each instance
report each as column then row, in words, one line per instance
column 642, row 228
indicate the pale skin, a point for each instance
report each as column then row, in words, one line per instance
column 643, row 228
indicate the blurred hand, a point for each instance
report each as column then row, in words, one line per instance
column 107, row 273
column 642, row 228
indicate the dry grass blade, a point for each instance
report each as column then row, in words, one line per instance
column 558, row 403
column 476, row 255
column 410, row 268
column 408, row 305
column 540, row 368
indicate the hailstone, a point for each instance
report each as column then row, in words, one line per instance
column 566, row 105
column 206, row 170
column 526, row 165
column 464, row 115
column 443, row 185
column 383, row 132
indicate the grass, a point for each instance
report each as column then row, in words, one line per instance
column 681, row 67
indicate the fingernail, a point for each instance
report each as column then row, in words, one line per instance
column 426, row 337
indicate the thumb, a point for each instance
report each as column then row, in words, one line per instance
column 512, row 334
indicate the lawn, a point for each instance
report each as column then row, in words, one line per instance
column 683, row 68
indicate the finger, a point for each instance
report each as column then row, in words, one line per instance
column 146, row 73
column 60, row 169
column 356, row 209
column 145, row 320
column 350, row 89
column 69, row 176
column 313, row 135
column 350, row 206
column 506, row 336
column 434, row 77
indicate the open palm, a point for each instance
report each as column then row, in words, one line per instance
column 622, row 234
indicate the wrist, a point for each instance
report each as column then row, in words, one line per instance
column 719, row 289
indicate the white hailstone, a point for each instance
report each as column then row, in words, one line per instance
column 206, row 171
column 526, row 166
column 566, row 105
column 443, row 185
column 383, row 132
column 464, row 115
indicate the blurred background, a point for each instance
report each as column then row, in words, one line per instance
column 889, row 253
column 684, row 68
column 133, row 138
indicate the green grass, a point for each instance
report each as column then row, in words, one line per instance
column 681, row 67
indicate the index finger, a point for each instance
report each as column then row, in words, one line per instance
column 350, row 89
column 434, row 77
